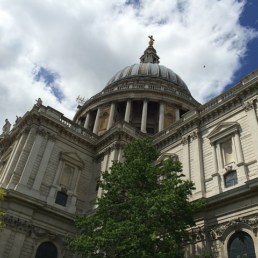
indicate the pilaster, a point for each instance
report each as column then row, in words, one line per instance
column 31, row 160
column 44, row 163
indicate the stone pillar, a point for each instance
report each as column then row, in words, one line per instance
column 239, row 151
column 111, row 116
column 105, row 168
column 17, row 245
column 215, row 176
column 161, row 116
column 177, row 114
column 253, row 125
column 44, row 163
column 242, row 170
column 87, row 120
column 215, row 161
column 96, row 124
column 144, row 116
column 31, row 159
column 186, row 157
column 128, row 111
column 197, row 172
column 219, row 157
column 5, row 177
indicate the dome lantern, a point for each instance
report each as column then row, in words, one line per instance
column 150, row 55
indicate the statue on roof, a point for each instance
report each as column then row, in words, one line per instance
column 151, row 42
column 39, row 102
column 6, row 128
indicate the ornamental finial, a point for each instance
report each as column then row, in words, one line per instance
column 151, row 42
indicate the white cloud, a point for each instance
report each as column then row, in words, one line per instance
column 87, row 42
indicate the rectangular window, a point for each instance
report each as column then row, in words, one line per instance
column 61, row 198
column 230, row 178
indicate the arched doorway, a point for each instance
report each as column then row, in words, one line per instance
column 46, row 249
column 241, row 245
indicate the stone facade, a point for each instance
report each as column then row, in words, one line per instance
column 50, row 166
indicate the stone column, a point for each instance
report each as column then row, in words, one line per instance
column 31, row 160
column 161, row 116
column 6, row 174
column 215, row 175
column 144, row 116
column 17, row 245
column 128, row 111
column 44, row 163
column 111, row 116
column 239, row 151
column 186, row 157
column 197, row 174
column 177, row 114
column 219, row 157
column 96, row 124
column 215, row 160
column 20, row 147
column 87, row 120
column 253, row 125
column 242, row 170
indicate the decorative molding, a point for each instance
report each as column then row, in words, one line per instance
column 18, row 224
column 223, row 130
column 217, row 232
column 185, row 140
column 42, row 132
column 26, row 227
column 52, row 137
column 248, row 105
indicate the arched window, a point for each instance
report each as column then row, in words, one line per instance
column 46, row 249
column 241, row 245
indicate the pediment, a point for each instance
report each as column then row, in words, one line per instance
column 223, row 129
column 72, row 157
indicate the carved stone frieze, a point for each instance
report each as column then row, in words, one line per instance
column 185, row 140
column 26, row 227
column 17, row 224
column 194, row 135
column 52, row 137
column 217, row 231
column 248, row 105
column 42, row 132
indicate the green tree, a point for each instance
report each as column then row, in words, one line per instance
column 144, row 211
column 2, row 194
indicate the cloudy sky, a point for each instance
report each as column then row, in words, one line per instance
column 57, row 50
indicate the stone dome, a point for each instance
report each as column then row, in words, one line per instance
column 150, row 70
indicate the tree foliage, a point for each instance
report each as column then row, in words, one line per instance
column 2, row 194
column 144, row 211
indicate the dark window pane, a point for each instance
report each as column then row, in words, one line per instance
column 230, row 178
column 61, row 198
column 46, row 250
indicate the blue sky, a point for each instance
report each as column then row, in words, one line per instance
column 58, row 50
column 249, row 18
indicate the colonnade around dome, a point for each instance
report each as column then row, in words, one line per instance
column 145, row 115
